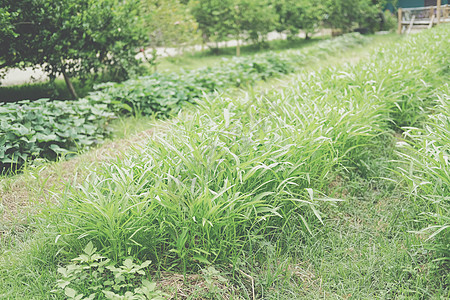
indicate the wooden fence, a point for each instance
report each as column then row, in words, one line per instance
column 423, row 16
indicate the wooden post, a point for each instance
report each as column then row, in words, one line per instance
column 431, row 22
column 399, row 30
column 411, row 24
column 438, row 11
column 446, row 13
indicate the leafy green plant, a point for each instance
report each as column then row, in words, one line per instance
column 49, row 129
column 96, row 276
column 211, row 276
column 45, row 128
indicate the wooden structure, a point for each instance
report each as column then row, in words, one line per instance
column 424, row 17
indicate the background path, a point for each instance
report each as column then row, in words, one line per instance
column 33, row 75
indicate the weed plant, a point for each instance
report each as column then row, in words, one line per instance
column 426, row 169
column 240, row 169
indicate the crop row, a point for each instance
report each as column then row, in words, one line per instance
column 238, row 171
column 48, row 129
column 167, row 93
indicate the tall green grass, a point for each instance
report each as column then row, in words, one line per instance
column 238, row 169
column 427, row 171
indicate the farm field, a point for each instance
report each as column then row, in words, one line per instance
column 329, row 183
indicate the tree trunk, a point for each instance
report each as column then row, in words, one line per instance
column 69, row 85
column 238, row 46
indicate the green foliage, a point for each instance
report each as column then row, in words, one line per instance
column 48, row 129
column 335, row 120
column 169, row 23
column 164, row 94
column 253, row 19
column 54, row 90
column 214, row 18
column 72, row 125
column 250, row 19
column 234, row 171
column 345, row 15
column 389, row 22
column 239, row 170
column 6, row 26
column 295, row 15
column 94, row 275
column 154, row 94
column 72, row 37
column 419, row 106
column 211, row 275
column 427, row 171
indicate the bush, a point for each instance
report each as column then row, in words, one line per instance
column 390, row 21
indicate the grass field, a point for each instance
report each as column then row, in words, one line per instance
column 331, row 183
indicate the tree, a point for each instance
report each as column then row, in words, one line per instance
column 169, row 23
column 296, row 15
column 215, row 18
column 220, row 19
column 71, row 37
column 254, row 18
column 344, row 15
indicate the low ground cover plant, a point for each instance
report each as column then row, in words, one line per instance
column 92, row 276
column 49, row 129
